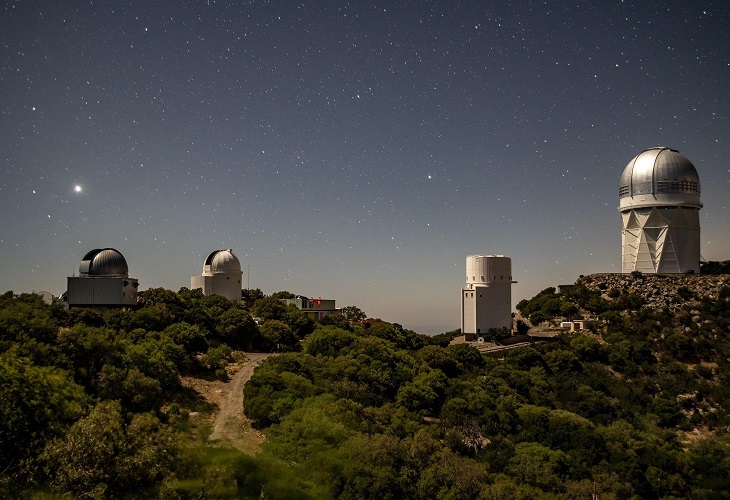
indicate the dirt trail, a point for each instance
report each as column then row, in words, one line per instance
column 231, row 428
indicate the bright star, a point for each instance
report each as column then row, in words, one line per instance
column 77, row 188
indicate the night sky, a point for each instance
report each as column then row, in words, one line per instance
column 358, row 150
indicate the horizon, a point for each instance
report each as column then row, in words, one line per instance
column 356, row 152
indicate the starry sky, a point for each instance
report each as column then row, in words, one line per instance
column 354, row 150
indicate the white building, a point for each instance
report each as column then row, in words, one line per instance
column 659, row 201
column 221, row 275
column 103, row 281
column 486, row 300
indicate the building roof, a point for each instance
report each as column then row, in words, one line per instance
column 221, row 262
column 104, row 262
column 659, row 176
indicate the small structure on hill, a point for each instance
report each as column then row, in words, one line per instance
column 315, row 309
column 486, row 300
column 221, row 275
column 103, row 281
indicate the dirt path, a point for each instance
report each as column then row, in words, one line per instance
column 230, row 427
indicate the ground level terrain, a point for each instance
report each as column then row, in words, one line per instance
column 229, row 426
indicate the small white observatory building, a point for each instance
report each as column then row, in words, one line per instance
column 103, row 281
column 221, row 275
column 486, row 300
column 659, row 201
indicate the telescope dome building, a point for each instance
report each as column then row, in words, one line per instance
column 486, row 300
column 221, row 275
column 103, row 281
column 659, row 201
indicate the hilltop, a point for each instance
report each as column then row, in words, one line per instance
column 659, row 291
column 123, row 403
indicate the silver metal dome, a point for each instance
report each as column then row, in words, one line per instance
column 104, row 262
column 221, row 262
column 659, row 177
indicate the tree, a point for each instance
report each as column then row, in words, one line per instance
column 154, row 318
column 562, row 361
column 439, row 358
column 299, row 322
column 88, row 349
column 102, row 455
column 587, row 348
column 424, row 394
column 237, row 329
column 136, row 391
column 538, row 465
column 190, row 337
column 467, row 356
column 279, row 335
column 328, row 341
column 269, row 308
column 36, row 404
column 250, row 296
column 353, row 314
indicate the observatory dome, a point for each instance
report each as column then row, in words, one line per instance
column 659, row 177
column 222, row 262
column 104, row 262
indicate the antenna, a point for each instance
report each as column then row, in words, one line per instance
column 248, row 277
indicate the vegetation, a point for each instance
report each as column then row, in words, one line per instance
column 91, row 403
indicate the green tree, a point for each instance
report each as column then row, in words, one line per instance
column 102, row 455
column 587, row 348
column 237, row 329
column 424, row 395
column 88, row 349
column 190, row 337
column 36, row 404
column 538, row 466
column 308, row 430
column 136, row 391
column 328, row 341
column 439, row 358
column 269, row 308
column 279, row 336
column 299, row 322
column 469, row 357
column 353, row 314
column 250, row 296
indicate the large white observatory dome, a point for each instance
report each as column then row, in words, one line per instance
column 104, row 262
column 221, row 262
column 659, row 201
column 659, row 177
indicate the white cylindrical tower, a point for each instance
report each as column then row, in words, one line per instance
column 488, row 269
column 486, row 300
column 659, row 201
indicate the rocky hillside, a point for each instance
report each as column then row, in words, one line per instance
column 658, row 290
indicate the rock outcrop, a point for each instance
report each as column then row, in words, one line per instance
column 659, row 291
